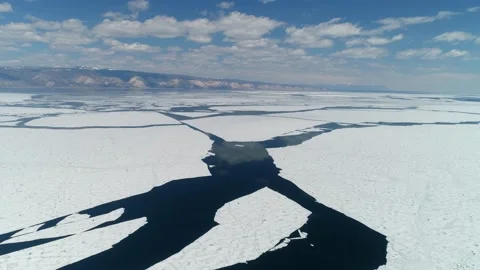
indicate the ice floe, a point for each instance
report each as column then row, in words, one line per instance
column 417, row 185
column 14, row 97
column 63, row 252
column 32, row 111
column 105, row 119
column 364, row 116
column 66, row 229
column 248, row 227
column 47, row 174
column 250, row 128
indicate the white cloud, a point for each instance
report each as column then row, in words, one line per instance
column 363, row 53
column 226, row 5
column 389, row 24
column 239, row 26
column 199, row 30
column 473, row 9
column 454, row 36
column 174, row 49
column 235, row 26
column 456, row 53
column 430, row 53
column 138, row 5
column 57, row 34
column 159, row 26
column 5, row 7
column 355, row 42
column 373, row 41
column 9, row 49
column 254, row 43
column 267, row 1
column 118, row 15
column 319, row 36
column 130, row 47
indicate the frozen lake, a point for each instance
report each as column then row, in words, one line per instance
column 238, row 180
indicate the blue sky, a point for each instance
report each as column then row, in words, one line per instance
column 429, row 45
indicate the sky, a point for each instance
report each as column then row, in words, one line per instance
column 408, row 45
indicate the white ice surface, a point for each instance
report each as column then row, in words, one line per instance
column 456, row 107
column 417, row 185
column 250, row 128
column 68, row 228
column 13, row 98
column 60, row 253
column 361, row 116
column 73, row 218
column 7, row 118
column 105, row 119
column 45, row 174
column 249, row 227
column 29, row 111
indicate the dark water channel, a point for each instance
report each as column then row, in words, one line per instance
column 181, row 211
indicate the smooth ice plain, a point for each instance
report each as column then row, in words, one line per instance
column 406, row 167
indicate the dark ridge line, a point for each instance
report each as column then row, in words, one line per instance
column 23, row 121
column 301, row 118
column 472, row 113
column 90, row 127
column 268, row 113
column 468, row 99
column 410, row 124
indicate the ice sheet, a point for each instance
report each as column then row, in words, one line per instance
column 30, row 111
column 13, row 98
column 105, row 119
column 47, row 174
column 250, row 128
column 417, row 185
column 458, row 107
column 362, row 116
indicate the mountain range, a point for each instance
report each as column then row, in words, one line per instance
column 84, row 77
